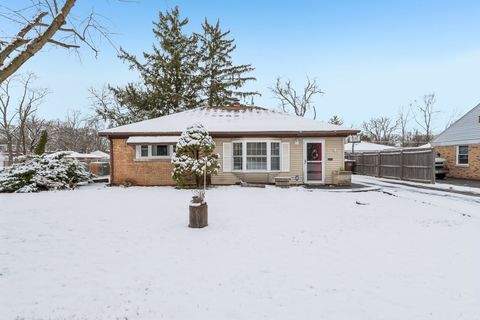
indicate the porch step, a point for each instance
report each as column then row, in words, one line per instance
column 282, row 182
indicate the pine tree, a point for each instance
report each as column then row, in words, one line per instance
column 336, row 120
column 42, row 142
column 194, row 152
column 221, row 78
column 183, row 71
column 169, row 76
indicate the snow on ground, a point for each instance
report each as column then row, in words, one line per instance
column 126, row 253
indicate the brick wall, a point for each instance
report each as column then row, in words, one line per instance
column 472, row 171
column 126, row 169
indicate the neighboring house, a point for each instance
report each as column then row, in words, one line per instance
column 459, row 144
column 364, row 146
column 254, row 144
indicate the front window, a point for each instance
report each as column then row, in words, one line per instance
column 462, row 155
column 253, row 156
column 160, row 150
column 154, row 151
column 274, row 156
column 144, row 151
column 256, row 156
column 237, row 156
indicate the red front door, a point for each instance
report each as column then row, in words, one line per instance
column 314, row 162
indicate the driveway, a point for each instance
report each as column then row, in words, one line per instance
column 460, row 182
column 441, row 187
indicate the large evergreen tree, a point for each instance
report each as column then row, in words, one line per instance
column 183, row 71
column 222, row 80
column 169, row 75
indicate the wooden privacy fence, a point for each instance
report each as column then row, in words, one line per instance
column 404, row 164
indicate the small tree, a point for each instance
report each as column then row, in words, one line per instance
column 193, row 153
column 336, row 120
column 425, row 113
column 40, row 148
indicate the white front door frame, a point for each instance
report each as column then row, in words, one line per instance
column 305, row 177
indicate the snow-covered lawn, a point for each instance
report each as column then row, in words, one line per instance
column 126, row 253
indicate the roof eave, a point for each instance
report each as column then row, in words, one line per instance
column 228, row 134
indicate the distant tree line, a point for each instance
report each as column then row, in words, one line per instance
column 413, row 126
column 23, row 132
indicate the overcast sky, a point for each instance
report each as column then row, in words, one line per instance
column 370, row 57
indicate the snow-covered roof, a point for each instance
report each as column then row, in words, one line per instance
column 465, row 130
column 153, row 139
column 228, row 120
column 100, row 154
column 366, row 147
column 426, row 145
column 78, row 155
column 82, row 155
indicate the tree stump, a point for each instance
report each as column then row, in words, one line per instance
column 198, row 215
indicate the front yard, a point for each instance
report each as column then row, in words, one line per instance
column 126, row 253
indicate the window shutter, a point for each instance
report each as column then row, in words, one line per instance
column 227, row 157
column 285, row 161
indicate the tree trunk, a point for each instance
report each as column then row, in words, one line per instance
column 23, row 142
column 198, row 215
column 9, row 148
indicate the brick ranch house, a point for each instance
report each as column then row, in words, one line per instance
column 254, row 144
column 459, row 144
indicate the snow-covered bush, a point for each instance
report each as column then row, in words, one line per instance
column 46, row 172
column 194, row 150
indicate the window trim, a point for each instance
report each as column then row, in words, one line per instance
column 138, row 152
column 269, row 155
column 457, row 154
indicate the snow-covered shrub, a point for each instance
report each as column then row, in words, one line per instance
column 46, row 172
column 194, row 151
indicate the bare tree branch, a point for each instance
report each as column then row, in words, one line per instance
column 20, row 40
column 30, row 99
column 61, row 44
column 49, row 18
column 425, row 113
column 404, row 117
column 290, row 100
column 37, row 43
